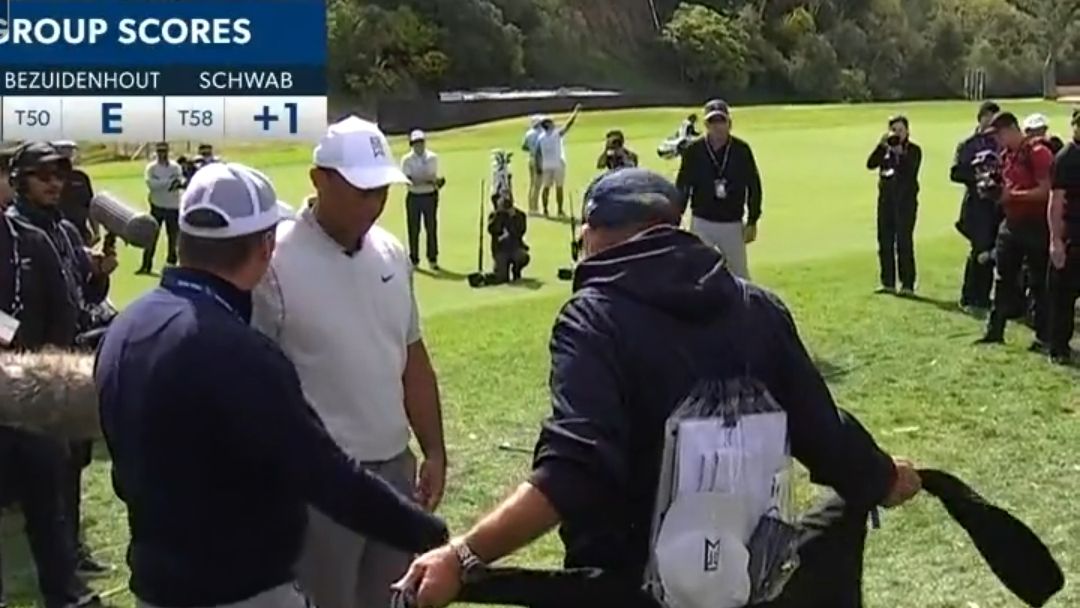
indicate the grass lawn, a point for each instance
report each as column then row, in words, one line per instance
column 1003, row 419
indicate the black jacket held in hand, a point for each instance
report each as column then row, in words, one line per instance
column 649, row 319
column 734, row 163
column 217, row 454
column 904, row 183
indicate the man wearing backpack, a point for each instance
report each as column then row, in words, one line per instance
column 1024, row 236
column 654, row 313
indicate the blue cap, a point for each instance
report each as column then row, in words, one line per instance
column 631, row 196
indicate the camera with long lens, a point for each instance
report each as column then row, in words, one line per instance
column 891, row 161
column 989, row 181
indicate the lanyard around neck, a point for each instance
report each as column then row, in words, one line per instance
column 206, row 291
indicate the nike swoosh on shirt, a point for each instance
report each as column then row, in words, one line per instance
column 387, row 279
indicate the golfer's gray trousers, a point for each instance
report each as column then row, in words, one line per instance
column 340, row 569
column 729, row 239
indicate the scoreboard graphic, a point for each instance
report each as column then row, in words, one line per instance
column 174, row 70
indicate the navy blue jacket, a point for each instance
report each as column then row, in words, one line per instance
column 649, row 319
column 979, row 218
column 216, row 453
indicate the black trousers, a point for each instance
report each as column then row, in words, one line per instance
column 1064, row 291
column 896, row 240
column 510, row 263
column 32, row 471
column 979, row 222
column 80, row 456
column 1020, row 242
column 423, row 208
column 170, row 220
column 978, row 281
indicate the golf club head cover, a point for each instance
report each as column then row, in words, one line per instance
column 135, row 227
column 1014, row 553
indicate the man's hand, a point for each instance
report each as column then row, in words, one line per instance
column 433, row 579
column 431, row 482
column 907, row 485
column 1057, row 253
column 103, row 264
column 749, row 233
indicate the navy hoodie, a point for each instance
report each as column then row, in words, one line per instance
column 649, row 319
column 216, row 453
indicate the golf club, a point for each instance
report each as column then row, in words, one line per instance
column 566, row 273
column 477, row 279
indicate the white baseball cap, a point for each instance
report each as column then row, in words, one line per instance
column 700, row 555
column 1036, row 122
column 243, row 198
column 416, row 135
column 360, row 152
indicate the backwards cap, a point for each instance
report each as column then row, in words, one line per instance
column 629, row 196
column 243, row 198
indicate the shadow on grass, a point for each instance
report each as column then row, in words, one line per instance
column 442, row 274
column 830, row 371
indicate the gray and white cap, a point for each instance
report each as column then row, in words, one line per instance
column 242, row 197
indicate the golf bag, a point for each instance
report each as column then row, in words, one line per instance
column 724, row 532
column 121, row 219
column 502, row 179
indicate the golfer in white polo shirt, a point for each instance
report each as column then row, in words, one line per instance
column 338, row 299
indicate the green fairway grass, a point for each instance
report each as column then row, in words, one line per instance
column 1003, row 419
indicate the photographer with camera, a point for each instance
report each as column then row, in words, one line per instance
column 977, row 166
column 1024, row 235
column 897, row 160
column 616, row 155
column 165, row 179
column 507, row 226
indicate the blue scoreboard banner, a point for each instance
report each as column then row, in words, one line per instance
column 143, row 70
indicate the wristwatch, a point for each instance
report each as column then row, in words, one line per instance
column 471, row 564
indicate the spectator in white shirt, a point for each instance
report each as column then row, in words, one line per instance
column 552, row 160
column 164, row 179
column 421, row 166
column 529, row 146
column 338, row 299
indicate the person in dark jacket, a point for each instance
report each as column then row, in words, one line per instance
column 41, row 174
column 181, row 371
column 77, row 195
column 655, row 310
column 976, row 158
column 897, row 160
column 720, row 183
column 1064, row 223
column 33, row 468
column 507, row 226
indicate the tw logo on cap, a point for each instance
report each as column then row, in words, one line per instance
column 712, row 555
column 377, row 148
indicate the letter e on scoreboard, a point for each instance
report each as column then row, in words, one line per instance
column 114, row 119
column 33, row 118
column 195, row 119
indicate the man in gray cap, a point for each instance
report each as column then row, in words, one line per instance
column 655, row 311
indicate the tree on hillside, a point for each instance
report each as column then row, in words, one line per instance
column 375, row 51
column 1054, row 18
column 712, row 47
